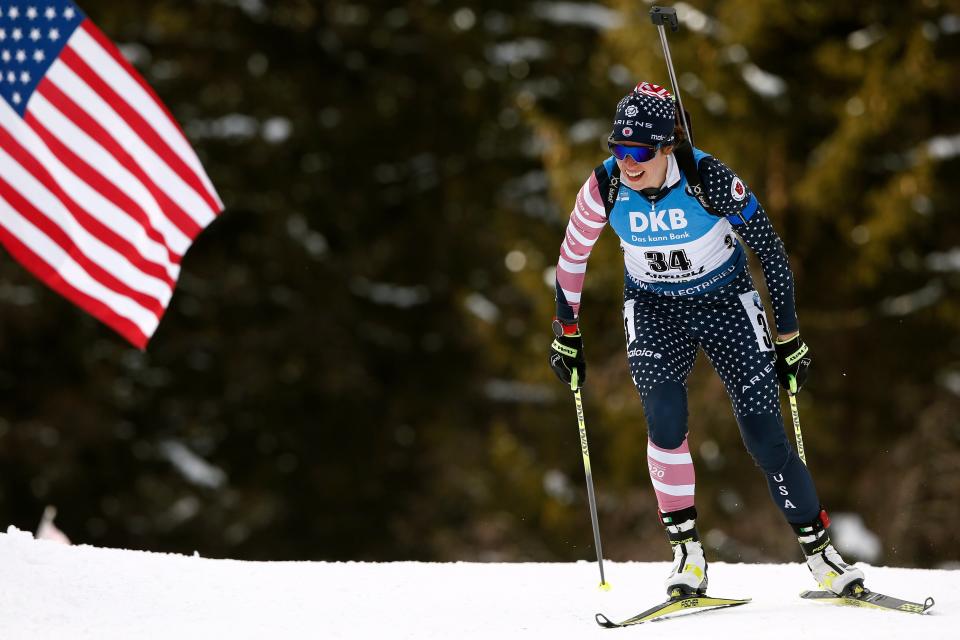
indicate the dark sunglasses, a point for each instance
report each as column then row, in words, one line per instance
column 639, row 154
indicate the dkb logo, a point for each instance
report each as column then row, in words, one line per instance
column 641, row 221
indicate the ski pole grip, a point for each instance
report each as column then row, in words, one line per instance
column 665, row 15
column 574, row 381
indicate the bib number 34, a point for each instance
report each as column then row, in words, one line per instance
column 660, row 262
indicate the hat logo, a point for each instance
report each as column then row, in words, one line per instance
column 627, row 131
column 631, row 111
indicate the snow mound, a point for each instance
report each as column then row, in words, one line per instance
column 50, row 590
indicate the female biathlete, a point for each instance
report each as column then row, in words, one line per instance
column 687, row 286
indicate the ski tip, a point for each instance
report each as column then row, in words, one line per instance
column 605, row 622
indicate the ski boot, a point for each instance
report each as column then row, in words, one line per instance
column 688, row 576
column 826, row 565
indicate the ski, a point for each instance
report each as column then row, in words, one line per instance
column 680, row 603
column 863, row 597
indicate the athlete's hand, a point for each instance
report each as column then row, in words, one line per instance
column 566, row 355
column 793, row 360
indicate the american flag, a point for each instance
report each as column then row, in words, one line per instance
column 101, row 195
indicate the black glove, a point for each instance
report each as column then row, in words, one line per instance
column 566, row 355
column 792, row 363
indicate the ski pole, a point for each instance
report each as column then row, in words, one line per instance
column 796, row 419
column 660, row 16
column 586, row 469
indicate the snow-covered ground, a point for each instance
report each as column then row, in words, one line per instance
column 50, row 590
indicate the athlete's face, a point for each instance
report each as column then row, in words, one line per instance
column 644, row 175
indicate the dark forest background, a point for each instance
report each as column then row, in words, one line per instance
column 354, row 363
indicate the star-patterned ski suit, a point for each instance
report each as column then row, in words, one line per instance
column 687, row 286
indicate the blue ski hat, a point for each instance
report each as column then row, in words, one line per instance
column 646, row 115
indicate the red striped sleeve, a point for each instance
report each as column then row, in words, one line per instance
column 587, row 221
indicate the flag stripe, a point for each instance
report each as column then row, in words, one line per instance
column 149, row 136
column 47, row 109
column 59, row 271
column 40, row 187
column 141, row 96
column 120, row 132
column 49, row 276
column 102, row 199
column 96, row 134
column 41, row 226
column 49, row 215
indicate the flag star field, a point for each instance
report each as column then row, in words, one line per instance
column 31, row 37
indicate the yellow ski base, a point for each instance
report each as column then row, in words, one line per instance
column 870, row 600
column 677, row 604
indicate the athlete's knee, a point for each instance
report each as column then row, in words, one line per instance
column 765, row 440
column 665, row 406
